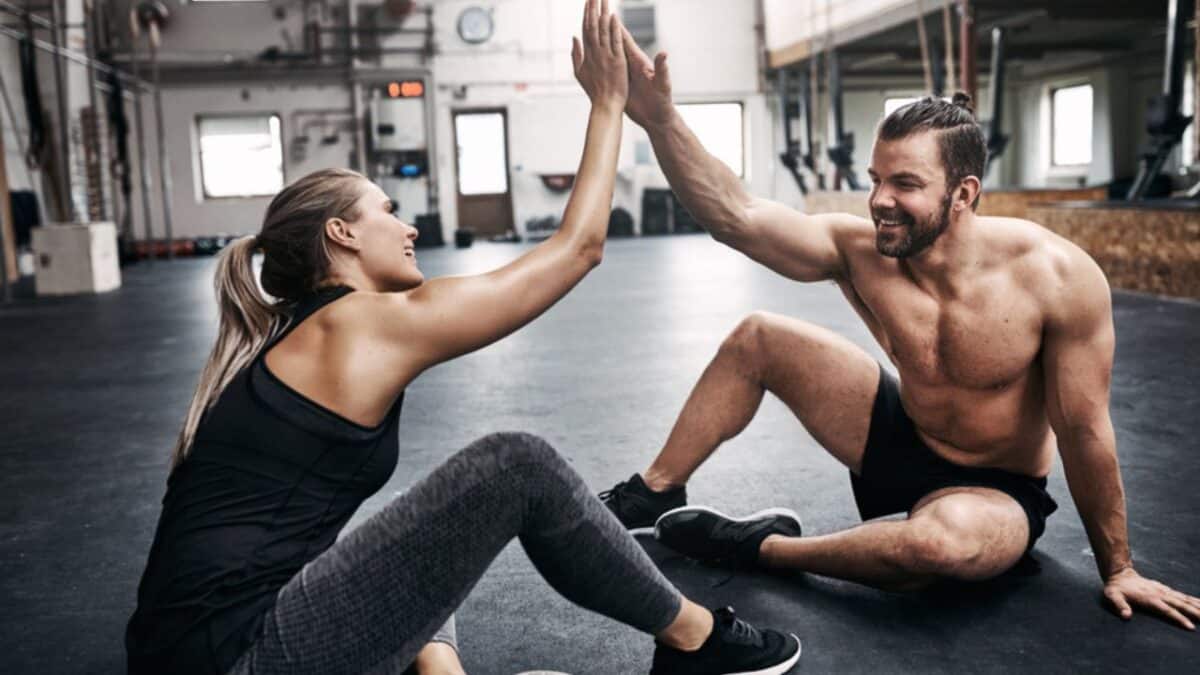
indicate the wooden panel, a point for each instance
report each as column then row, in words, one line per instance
column 1015, row 203
column 838, row 202
column 1156, row 251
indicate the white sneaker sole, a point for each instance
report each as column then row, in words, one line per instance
column 777, row 511
column 778, row 669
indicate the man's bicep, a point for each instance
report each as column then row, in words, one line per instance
column 797, row 245
column 1078, row 358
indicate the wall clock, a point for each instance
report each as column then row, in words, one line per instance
column 475, row 25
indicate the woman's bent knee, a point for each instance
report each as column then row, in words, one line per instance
column 519, row 448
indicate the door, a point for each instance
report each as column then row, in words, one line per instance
column 484, row 191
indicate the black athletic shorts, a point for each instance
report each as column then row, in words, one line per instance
column 898, row 468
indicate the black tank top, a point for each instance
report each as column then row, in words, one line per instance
column 271, row 479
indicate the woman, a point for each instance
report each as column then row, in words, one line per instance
column 291, row 428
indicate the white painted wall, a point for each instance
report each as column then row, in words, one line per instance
column 1120, row 94
column 524, row 68
column 1033, row 144
column 191, row 214
column 792, row 22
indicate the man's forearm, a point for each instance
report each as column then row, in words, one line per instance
column 708, row 189
column 1090, row 460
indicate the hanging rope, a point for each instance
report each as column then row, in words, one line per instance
column 947, row 28
column 814, row 97
column 924, row 38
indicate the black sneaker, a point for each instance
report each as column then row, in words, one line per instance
column 734, row 648
column 713, row 537
column 637, row 506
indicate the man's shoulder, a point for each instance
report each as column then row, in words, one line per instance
column 1037, row 251
column 1054, row 269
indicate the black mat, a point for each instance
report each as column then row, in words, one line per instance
column 94, row 390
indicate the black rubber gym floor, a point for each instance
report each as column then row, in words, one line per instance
column 94, row 389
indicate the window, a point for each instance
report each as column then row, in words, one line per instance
column 890, row 105
column 719, row 128
column 482, row 155
column 1071, row 125
column 240, row 155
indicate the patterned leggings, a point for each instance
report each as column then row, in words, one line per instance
column 378, row 595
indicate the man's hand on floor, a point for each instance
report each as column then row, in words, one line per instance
column 1128, row 589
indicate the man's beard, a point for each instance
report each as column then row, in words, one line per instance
column 914, row 237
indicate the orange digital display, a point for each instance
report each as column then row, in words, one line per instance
column 406, row 89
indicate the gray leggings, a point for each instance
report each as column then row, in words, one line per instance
column 378, row 595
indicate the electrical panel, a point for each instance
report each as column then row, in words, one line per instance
column 398, row 124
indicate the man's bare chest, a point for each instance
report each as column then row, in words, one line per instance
column 986, row 341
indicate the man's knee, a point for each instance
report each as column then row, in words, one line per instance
column 945, row 545
column 748, row 341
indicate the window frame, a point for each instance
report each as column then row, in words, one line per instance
column 743, row 171
column 199, row 154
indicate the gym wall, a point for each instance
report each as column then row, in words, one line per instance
column 525, row 67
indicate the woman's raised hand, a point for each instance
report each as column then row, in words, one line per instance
column 599, row 60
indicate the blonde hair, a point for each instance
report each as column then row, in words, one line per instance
column 295, row 263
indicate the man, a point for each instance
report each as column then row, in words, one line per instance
column 1000, row 330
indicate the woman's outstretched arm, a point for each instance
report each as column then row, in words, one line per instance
column 450, row 316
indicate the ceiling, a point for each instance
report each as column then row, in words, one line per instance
column 1040, row 35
